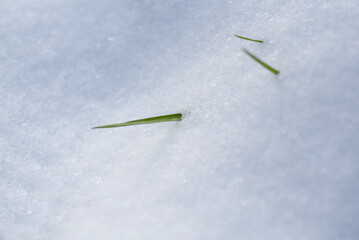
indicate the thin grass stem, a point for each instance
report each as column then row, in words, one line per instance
column 274, row 71
column 249, row 39
column 164, row 118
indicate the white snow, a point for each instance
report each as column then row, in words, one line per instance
column 259, row 157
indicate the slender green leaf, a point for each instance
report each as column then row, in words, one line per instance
column 249, row 39
column 274, row 71
column 164, row 118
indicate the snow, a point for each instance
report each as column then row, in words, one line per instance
column 259, row 156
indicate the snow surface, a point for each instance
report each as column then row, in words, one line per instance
column 259, row 157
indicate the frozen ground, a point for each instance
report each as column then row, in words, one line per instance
column 259, row 158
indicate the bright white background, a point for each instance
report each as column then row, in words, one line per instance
column 259, row 157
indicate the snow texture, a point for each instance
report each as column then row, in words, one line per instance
column 259, row 157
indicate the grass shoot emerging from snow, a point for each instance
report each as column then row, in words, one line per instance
column 274, row 71
column 164, row 118
column 249, row 39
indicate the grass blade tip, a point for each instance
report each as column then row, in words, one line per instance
column 157, row 119
column 249, row 39
column 274, row 71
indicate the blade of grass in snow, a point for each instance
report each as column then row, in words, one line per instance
column 274, row 71
column 249, row 39
column 164, row 118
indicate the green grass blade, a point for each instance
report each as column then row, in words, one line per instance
column 164, row 118
column 249, row 39
column 274, row 71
